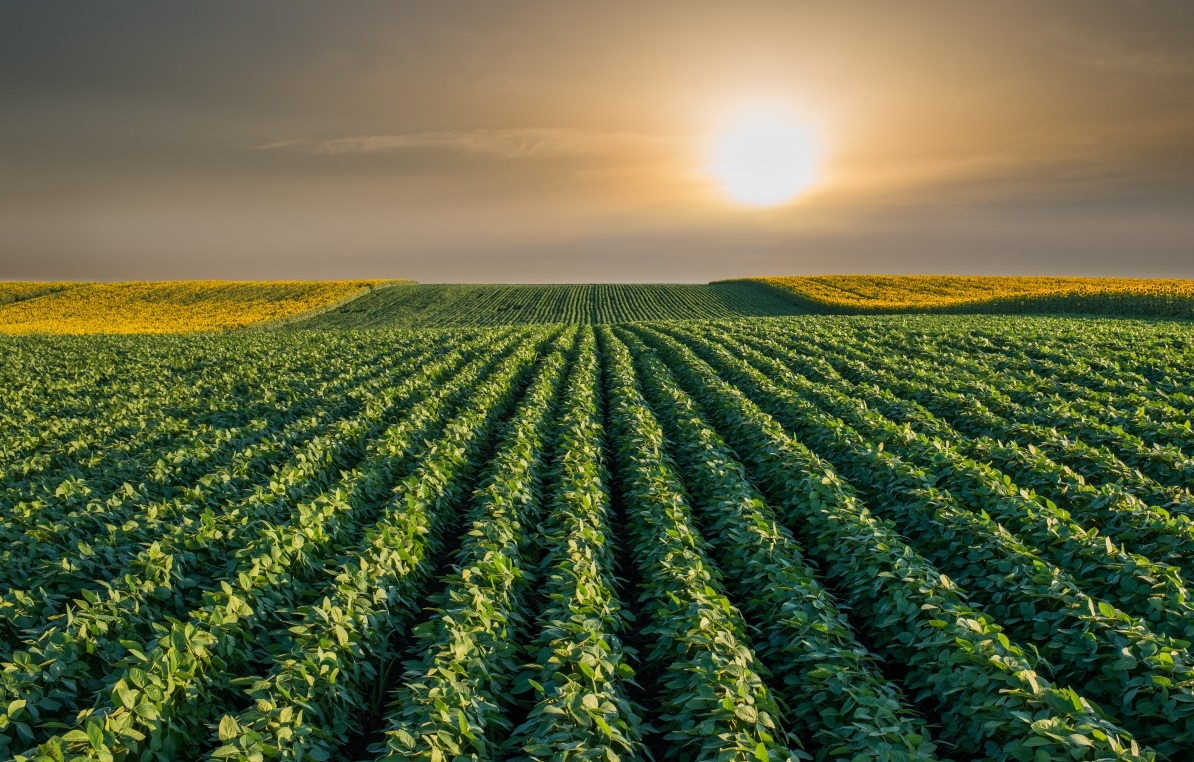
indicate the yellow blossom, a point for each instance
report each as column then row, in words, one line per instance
column 166, row 307
column 950, row 293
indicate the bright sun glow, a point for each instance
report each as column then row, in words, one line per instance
column 764, row 159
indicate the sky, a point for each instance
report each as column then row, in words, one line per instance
column 570, row 142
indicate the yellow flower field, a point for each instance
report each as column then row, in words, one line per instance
column 165, row 307
column 15, row 291
column 952, row 293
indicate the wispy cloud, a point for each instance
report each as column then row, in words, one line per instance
column 1145, row 64
column 518, row 143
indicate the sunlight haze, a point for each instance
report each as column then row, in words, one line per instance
column 580, row 142
column 764, row 159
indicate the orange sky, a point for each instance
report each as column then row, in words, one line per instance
column 522, row 141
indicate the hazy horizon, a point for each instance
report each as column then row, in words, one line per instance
column 530, row 142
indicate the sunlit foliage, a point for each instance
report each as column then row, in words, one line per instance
column 907, row 537
column 165, row 307
column 1012, row 294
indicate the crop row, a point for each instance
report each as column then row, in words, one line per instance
column 282, row 533
column 982, row 688
column 689, row 541
column 1118, row 658
column 471, row 305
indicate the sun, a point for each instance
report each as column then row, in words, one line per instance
column 764, row 159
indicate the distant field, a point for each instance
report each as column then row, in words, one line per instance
column 165, row 307
column 853, row 294
column 203, row 306
column 439, row 306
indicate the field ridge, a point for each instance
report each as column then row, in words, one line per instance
column 879, row 294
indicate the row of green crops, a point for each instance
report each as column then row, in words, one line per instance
column 885, row 538
column 427, row 306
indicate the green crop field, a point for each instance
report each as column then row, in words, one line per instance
column 905, row 537
column 442, row 306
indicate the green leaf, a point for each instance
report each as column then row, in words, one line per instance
column 229, row 728
column 1079, row 740
column 95, row 734
column 76, row 736
column 605, row 728
column 127, row 697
